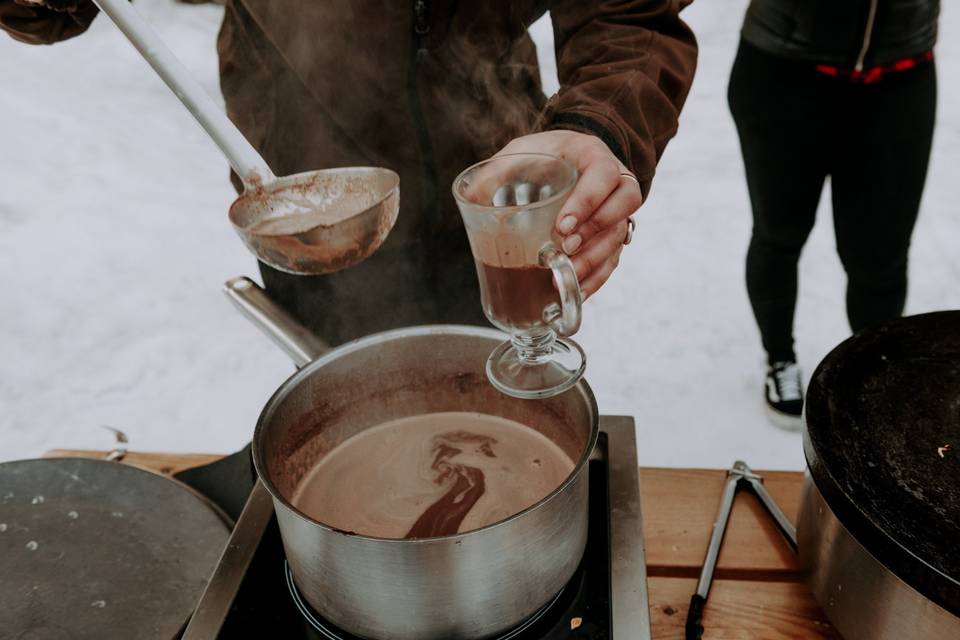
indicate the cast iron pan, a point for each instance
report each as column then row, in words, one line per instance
column 883, row 447
column 100, row 550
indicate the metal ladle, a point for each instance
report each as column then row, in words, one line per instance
column 308, row 223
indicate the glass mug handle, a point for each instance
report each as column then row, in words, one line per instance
column 565, row 317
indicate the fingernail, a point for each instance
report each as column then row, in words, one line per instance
column 568, row 224
column 572, row 243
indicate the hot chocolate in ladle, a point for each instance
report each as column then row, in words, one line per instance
column 308, row 223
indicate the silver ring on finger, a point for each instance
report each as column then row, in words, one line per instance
column 628, row 175
column 631, row 225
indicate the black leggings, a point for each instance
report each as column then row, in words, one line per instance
column 797, row 126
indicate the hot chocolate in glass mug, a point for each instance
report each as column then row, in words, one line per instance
column 528, row 286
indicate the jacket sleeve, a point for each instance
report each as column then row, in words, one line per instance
column 35, row 24
column 625, row 68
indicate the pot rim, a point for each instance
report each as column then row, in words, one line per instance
column 385, row 336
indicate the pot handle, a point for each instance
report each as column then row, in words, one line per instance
column 286, row 332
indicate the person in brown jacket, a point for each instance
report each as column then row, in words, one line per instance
column 427, row 88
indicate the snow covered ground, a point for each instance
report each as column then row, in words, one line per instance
column 114, row 244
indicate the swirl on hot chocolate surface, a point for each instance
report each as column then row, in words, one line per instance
column 432, row 475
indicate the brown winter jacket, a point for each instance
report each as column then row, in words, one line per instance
column 426, row 87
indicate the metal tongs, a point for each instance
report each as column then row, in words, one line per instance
column 740, row 476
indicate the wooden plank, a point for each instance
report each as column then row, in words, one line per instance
column 739, row 609
column 164, row 463
column 679, row 507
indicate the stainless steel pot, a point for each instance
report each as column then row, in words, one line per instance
column 466, row 586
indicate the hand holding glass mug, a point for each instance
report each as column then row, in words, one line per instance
column 528, row 286
column 595, row 221
column 525, row 211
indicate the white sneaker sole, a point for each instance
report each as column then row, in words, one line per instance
column 785, row 421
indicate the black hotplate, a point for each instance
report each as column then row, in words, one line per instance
column 883, row 447
column 252, row 593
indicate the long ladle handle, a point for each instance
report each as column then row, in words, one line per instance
column 253, row 302
column 242, row 156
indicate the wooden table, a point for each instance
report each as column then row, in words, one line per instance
column 757, row 593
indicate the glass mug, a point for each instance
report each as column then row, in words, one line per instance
column 528, row 286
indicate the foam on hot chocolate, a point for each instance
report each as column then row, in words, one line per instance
column 430, row 475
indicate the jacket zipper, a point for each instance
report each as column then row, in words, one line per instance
column 867, row 32
column 421, row 28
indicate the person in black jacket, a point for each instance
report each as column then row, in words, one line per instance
column 845, row 89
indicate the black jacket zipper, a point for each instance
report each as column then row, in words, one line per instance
column 418, row 51
column 421, row 12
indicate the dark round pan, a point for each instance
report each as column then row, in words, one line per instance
column 883, row 448
column 101, row 550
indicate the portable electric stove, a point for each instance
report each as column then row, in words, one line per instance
column 252, row 593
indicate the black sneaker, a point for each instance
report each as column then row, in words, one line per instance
column 784, row 395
